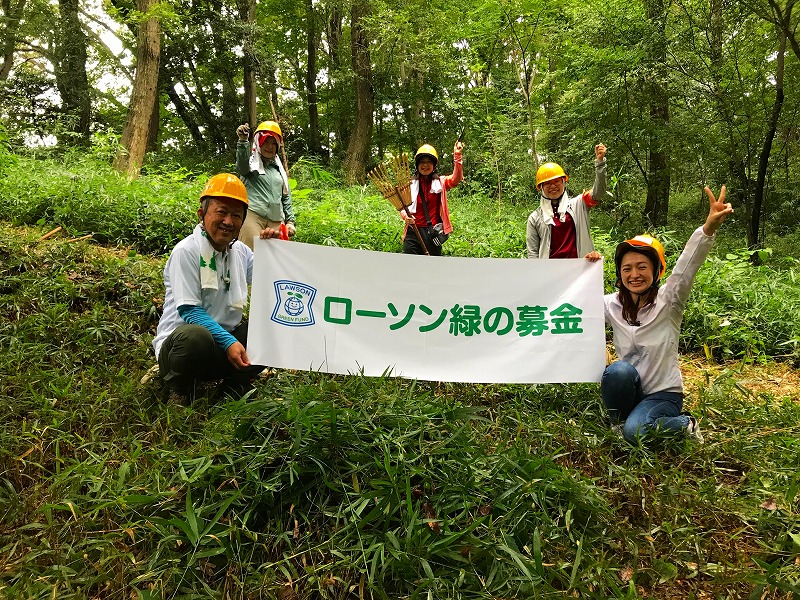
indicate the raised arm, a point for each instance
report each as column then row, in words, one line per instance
column 599, row 188
column 453, row 180
column 243, row 150
column 680, row 281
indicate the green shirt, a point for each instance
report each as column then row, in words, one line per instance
column 264, row 192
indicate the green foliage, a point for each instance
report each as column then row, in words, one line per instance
column 398, row 487
column 85, row 196
column 352, row 218
column 26, row 109
column 338, row 484
column 742, row 311
column 7, row 157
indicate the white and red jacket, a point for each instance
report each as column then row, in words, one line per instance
column 447, row 183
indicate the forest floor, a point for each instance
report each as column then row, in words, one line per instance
column 711, row 521
column 777, row 379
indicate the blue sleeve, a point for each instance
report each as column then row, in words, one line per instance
column 197, row 315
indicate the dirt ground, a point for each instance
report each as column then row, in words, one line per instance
column 776, row 379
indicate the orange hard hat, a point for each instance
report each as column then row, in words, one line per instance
column 644, row 244
column 549, row 171
column 225, row 185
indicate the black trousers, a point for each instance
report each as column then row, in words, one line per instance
column 190, row 354
column 411, row 243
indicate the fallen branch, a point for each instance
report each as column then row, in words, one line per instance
column 49, row 233
column 78, row 239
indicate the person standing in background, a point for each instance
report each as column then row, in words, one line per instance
column 429, row 209
column 266, row 181
column 559, row 228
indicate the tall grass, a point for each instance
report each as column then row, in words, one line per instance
column 85, row 195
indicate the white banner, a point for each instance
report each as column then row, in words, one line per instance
column 476, row 320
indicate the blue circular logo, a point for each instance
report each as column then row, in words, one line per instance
column 293, row 306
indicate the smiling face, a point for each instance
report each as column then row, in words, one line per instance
column 269, row 148
column 222, row 220
column 636, row 272
column 554, row 188
column 425, row 166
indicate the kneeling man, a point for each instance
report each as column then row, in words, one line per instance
column 201, row 334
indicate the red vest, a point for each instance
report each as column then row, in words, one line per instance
column 563, row 240
column 431, row 199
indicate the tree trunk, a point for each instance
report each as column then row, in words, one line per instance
column 753, row 227
column 312, row 45
column 551, row 145
column 738, row 181
column 186, row 117
column 143, row 97
column 71, row 79
column 525, row 72
column 419, row 109
column 337, row 92
column 247, row 13
column 381, row 128
column 272, row 87
column 227, row 120
column 8, row 33
column 358, row 149
column 781, row 15
column 658, row 179
column 212, row 134
column 154, row 131
column 658, row 176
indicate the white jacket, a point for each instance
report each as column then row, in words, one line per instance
column 539, row 232
column 652, row 347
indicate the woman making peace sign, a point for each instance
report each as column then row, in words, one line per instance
column 644, row 388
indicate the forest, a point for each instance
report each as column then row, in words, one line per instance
column 314, row 485
column 685, row 93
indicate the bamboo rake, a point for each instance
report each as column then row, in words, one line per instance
column 393, row 179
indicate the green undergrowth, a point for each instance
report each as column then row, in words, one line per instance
column 354, row 487
column 86, row 196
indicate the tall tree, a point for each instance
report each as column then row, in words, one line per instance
column 312, row 48
column 523, row 32
column 336, row 89
column 247, row 14
column 738, row 179
column 144, row 95
column 753, row 228
column 361, row 137
column 658, row 176
column 71, row 79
